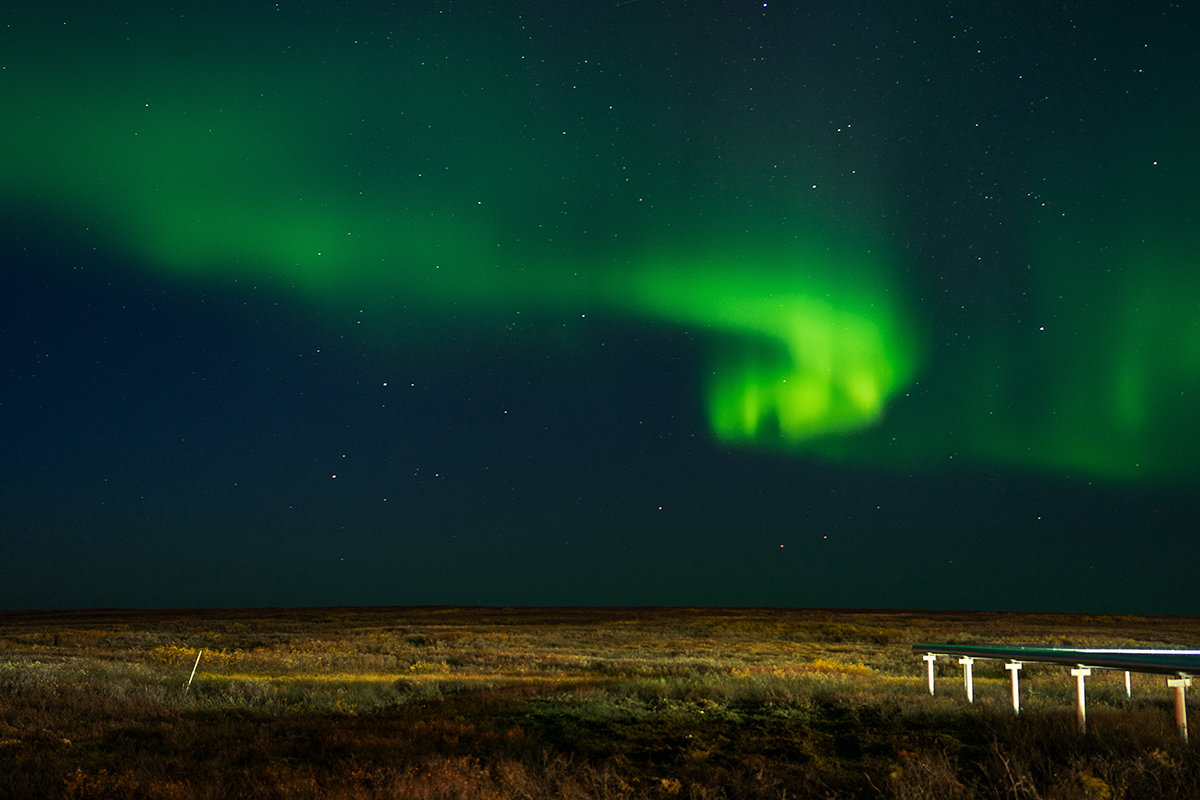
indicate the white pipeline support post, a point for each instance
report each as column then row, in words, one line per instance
column 929, row 659
column 967, row 663
column 1015, row 667
column 1081, row 701
column 1128, row 686
column 1179, row 684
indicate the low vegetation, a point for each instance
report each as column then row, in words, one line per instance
column 571, row 703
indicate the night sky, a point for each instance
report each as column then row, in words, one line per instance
column 600, row 303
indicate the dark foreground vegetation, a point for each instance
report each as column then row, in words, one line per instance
column 562, row 703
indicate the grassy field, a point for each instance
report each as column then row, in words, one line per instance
column 571, row 703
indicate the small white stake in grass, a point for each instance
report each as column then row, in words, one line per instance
column 193, row 675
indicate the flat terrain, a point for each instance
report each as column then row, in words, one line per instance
column 572, row 703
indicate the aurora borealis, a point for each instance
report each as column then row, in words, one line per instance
column 508, row 303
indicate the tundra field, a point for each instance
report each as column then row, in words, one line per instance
column 572, row 703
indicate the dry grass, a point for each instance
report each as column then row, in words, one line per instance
column 569, row 703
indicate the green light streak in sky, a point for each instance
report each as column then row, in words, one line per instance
column 1109, row 361
column 430, row 192
column 805, row 354
column 450, row 179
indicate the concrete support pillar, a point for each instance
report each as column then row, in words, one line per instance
column 1128, row 686
column 1015, row 667
column 1179, row 684
column 967, row 663
column 929, row 659
column 1081, row 705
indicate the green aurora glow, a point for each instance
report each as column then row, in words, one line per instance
column 1110, row 360
column 804, row 355
column 208, row 176
column 439, row 179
